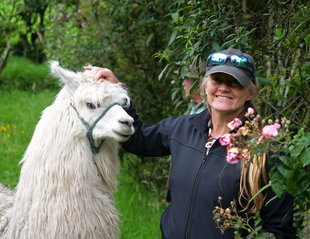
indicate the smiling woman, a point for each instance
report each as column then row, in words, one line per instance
column 199, row 172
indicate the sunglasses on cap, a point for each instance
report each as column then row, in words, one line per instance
column 220, row 58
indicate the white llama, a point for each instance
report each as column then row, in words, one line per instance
column 70, row 167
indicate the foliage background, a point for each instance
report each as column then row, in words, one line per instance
column 146, row 42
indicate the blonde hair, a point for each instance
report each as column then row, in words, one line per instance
column 253, row 174
column 253, row 177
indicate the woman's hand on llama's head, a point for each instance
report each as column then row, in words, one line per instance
column 102, row 74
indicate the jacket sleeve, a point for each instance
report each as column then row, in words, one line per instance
column 148, row 140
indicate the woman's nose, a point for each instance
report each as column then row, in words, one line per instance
column 223, row 87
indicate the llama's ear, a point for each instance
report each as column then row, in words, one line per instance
column 69, row 78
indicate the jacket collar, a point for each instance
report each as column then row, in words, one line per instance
column 200, row 122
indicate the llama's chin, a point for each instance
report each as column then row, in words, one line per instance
column 121, row 137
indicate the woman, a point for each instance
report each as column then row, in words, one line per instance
column 199, row 172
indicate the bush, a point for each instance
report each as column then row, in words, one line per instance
column 23, row 74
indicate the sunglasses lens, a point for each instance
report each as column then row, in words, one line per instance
column 217, row 59
column 240, row 61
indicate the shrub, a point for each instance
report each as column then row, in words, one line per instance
column 21, row 73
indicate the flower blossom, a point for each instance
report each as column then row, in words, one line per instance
column 277, row 126
column 233, row 155
column 234, row 124
column 246, row 154
column 225, row 140
column 250, row 111
column 270, row 131
column 244, row 130
column 260, row 140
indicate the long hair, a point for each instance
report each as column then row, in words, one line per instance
column 253, row 174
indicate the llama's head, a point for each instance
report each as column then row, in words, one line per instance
column 99, row 105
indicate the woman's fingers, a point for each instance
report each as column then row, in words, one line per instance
column 102, row 74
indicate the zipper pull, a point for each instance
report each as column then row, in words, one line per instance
column 208, row 146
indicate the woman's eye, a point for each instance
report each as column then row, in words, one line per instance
column 90, row 106
column 217, row 80
column 235, row 85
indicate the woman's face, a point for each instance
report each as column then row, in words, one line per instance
column 226, row 95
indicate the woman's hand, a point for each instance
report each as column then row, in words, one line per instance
column 102, row 74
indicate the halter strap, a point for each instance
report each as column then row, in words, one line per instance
column 95, row 149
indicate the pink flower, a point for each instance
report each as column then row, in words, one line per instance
column 79, row 10
column 260, row 140
column 250, row 111
column 68, row 16
column 233, row 155
column 83, row 24
column 270, row 131
column 277, row 126
column 234, row 124
column 225, row 140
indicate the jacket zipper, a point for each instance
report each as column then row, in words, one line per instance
column 193, row 198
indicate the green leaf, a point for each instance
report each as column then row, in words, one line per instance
column 175, row 16
column 148, row 40
column 285, row 172
column 183, row 71
column 295, row 150
column 263, row 81
column 277, row 183
column 305, row 157
column 172, row 37
column 299, row 183
column 305, row 139
column 216, row 46
column 259, row 191
column 162, row 72
column 287, row 161
column 253, row 141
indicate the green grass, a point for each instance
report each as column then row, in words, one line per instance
column 20, row 111
column 21, row 73
column 139, row 210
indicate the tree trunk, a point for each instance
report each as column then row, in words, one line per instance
column 5, row 56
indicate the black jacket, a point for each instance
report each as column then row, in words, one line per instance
column 196, row 180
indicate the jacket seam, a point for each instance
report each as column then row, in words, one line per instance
column 186, row 145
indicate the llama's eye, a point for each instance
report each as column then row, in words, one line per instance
column 90, row 106
column 125, row 102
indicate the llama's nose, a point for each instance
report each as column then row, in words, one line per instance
column 126, row 121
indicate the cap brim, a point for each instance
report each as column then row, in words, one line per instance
column 239, row 74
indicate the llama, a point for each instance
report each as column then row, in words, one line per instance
column 70, row 167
